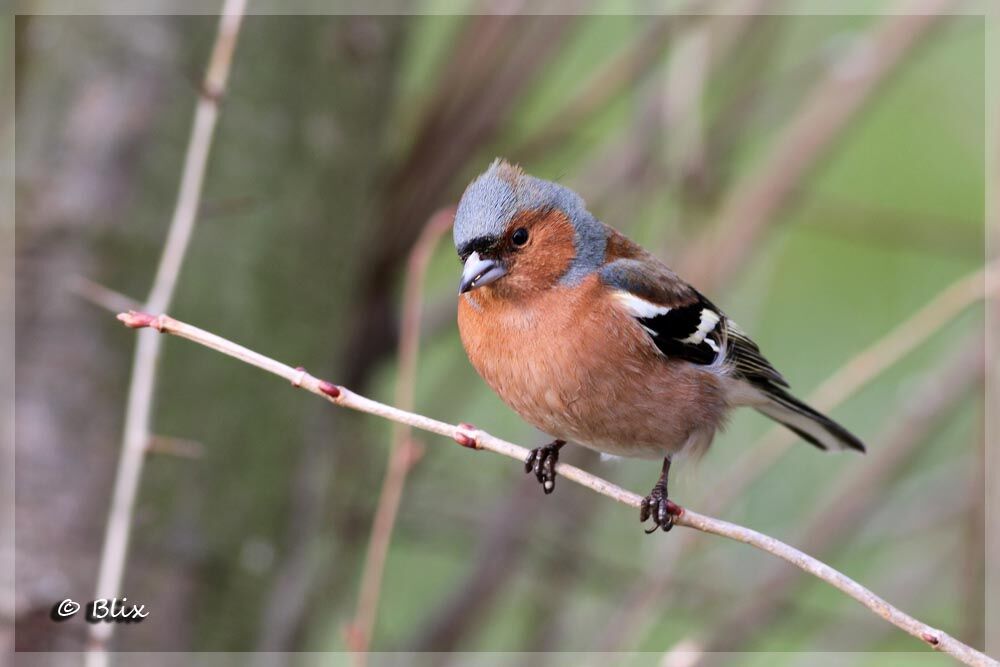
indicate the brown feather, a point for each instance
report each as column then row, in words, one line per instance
column 650, row 278
column 572, row 363
column 621, row 247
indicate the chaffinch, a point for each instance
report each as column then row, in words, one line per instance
column 591, row 339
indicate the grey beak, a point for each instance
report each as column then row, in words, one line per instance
column 479, row 272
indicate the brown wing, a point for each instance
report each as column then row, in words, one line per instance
column 681, row 321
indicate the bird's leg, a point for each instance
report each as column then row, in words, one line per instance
column 656, row 504
column 542, row 460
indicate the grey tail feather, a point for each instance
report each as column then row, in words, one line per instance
column 812, row 426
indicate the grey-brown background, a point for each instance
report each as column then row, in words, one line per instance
column 338, row 138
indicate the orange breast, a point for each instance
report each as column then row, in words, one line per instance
column 572, row 363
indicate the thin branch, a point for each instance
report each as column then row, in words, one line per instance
column 494, row 63
column 765, row 452
column 869, row 364
column 404, row 450
column 972, row 583
column 714, row 257
column 101, row 296
column 991, row 590
column 142, row 383
column 470, row 437
column 846, row 506
column 179, row 447
column 560, row 574
column 497, row 557
column 504, row 539
column 637, row 59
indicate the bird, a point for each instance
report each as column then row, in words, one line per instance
column 593, row 340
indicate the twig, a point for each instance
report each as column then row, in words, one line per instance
column 762, row 455
column 973, row 558
column 938, row 395
column 867, row 365
column 180, row 447
column 101, row 296
column 826, row 112
column 472, row 438
column 877, row 225
column 404, row 449
column 497, row 558
column 495, row 61
column 637, row 59
column 503, row 540
column 136, row 433
column 560, row 569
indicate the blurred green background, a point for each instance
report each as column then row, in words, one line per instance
column 339, row 136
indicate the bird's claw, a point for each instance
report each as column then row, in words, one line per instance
column 658, row 507
column 542, row 461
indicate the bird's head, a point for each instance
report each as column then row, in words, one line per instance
column 519, row 234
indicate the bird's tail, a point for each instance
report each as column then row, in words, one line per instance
column 807, row 423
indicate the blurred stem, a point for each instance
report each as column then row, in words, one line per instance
column 721, row 251
column 497, row 557
column 972, row 577
column 138, row 410
column 101, row 296
column 991, row 589
column 769, row 448
column 495, row 60
column 470, row 437
column 939, row 394
column 557, row 573
column 637, row 59
column 869, row 364
column 405, row 450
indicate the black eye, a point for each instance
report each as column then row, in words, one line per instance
column 520, row 236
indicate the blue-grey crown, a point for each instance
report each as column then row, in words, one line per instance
column 493, row 199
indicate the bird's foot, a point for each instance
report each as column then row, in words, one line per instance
column 542, row 461
column 660, row 508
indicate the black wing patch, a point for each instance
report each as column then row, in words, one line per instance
column 698, row 332
column 693, row 332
